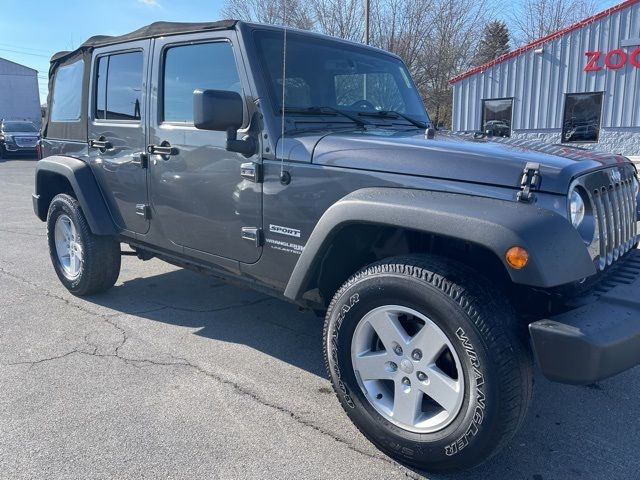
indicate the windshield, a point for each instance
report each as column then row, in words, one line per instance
column 19, row 127
column 326, row 73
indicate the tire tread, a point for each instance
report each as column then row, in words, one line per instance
column 491, row 314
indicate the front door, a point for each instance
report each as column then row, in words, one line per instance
column 196, row 191
column 117, row 131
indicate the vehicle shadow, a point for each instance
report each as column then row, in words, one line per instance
column 570, row 432
column 225, row 313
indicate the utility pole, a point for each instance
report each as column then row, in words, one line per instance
column 367, row 11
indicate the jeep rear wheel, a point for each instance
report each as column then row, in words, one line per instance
column 85, row 263
column 428, row 361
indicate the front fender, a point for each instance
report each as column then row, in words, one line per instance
column 83, row 183
column 557, row 252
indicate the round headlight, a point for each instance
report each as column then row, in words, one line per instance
column 577, row 208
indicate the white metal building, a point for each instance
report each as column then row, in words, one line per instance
column 19, row 94
column 579, row 86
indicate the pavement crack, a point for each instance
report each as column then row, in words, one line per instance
column 183, row 362
column 294, row 416
column 49, row 294
column 18, row 232
column 216, row 309
column 32, row 363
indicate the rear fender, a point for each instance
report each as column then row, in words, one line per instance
column 52, row 173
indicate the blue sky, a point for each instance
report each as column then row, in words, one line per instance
column 31, row 31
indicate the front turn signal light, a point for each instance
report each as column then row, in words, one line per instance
column 517, row 257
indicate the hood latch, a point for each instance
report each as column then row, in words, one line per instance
column 530, row 181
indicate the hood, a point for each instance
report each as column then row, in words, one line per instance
column 21, row 134
column 491, row 161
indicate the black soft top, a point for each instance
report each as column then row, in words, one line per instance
column 156, row 29
column 76, row 130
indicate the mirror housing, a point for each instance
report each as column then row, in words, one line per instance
column 222, row 111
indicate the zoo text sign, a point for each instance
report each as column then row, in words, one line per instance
column 614, row 60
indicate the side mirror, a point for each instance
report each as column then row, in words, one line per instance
column 222, row 111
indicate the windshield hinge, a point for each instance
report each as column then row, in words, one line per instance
column 529, row 182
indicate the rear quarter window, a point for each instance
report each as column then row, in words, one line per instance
column 67, row 93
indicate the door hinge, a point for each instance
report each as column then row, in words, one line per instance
column 143, row 210
column 141, row 159
column 529, row 182
column 251, row 171
column 254, row 235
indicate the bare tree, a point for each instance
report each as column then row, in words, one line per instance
column 538, row 18
column 454, row 26
column 340, row 18
column 275, row 12
column 435, row 38
column 401, row 27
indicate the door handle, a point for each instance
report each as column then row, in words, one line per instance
column 164, row 149
column 101, row 143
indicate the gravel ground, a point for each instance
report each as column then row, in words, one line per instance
column 171, row 374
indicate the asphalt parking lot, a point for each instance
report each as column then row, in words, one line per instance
column 175, row 375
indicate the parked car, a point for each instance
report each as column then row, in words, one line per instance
column 18, row 137
column 497, row 128
column 443, row 263
column 581, row 133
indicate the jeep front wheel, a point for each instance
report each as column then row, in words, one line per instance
column 428, row 361
column 85, row 263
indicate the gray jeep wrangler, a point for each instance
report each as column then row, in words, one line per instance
column 445, row 263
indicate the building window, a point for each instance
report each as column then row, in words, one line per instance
column 496, row 116
column 582, row 114
column 204, row 66
column 119, row 86
column 67, row 93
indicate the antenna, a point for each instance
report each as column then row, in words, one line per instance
column 285, row 178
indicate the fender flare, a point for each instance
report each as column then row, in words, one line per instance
column 557, row 252
column 85, row 187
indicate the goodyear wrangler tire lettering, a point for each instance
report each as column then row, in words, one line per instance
column 354, row 299
column 479, row 324
column 478, row 414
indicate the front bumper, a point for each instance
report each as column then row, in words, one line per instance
column 12, row 148
column 599, row 339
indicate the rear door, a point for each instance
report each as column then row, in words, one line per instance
column 117, row 131
column 197, row 192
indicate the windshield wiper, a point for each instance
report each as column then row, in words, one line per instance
column 324, row 110
column 391, row 113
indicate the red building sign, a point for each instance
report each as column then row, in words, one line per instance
column 614, row 60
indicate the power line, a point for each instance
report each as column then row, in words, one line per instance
column 25, row 53
column 20, row 47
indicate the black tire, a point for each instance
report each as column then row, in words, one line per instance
column 100, row 267
column 482, row 327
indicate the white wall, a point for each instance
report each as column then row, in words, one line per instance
column 19, row 93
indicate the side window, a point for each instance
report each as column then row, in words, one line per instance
column 119, row 86
column 582, row 115
column 203, row 66
column 496, row 116
column 67, row 93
